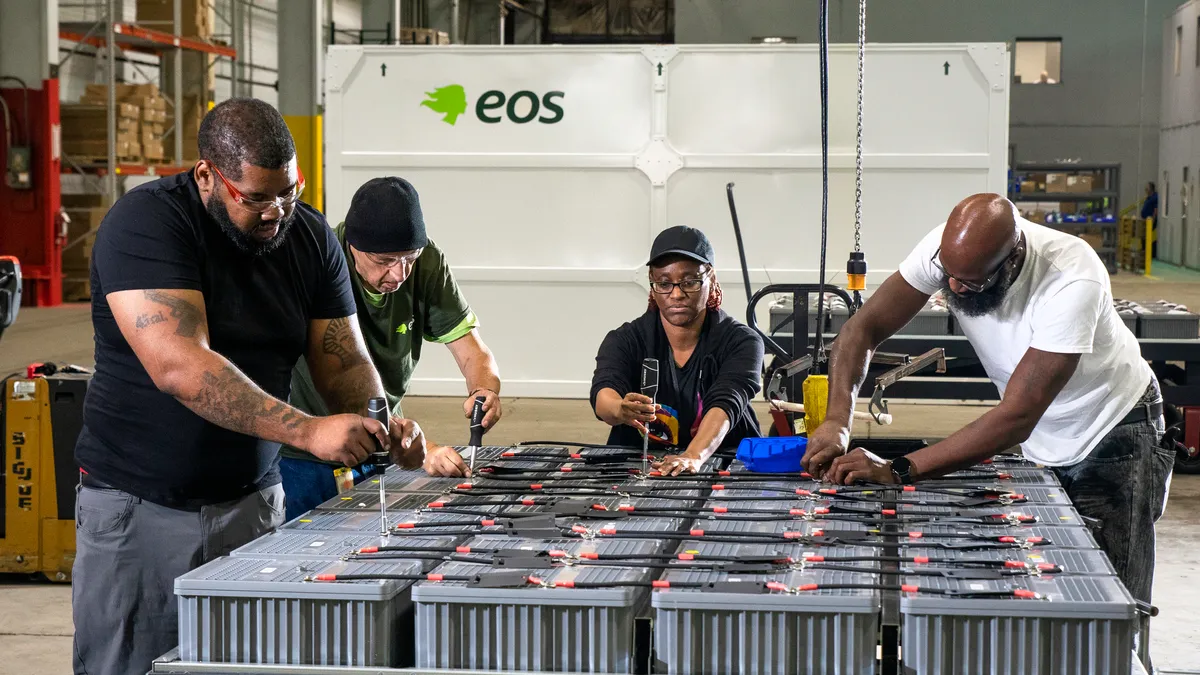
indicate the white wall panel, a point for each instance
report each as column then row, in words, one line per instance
column 547, row 226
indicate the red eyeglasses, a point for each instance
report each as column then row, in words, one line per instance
column 256, row 206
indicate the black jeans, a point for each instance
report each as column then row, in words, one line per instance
column 1123, row 484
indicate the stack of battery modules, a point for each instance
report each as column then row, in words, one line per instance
column 554, row 559
column 1053, row 606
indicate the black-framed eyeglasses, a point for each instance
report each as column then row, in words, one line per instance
column 688, row 286
column 980, row 286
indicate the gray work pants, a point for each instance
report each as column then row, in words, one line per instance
column 1123, row 486
column 128, row 554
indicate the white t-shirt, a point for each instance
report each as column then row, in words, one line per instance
column 1060, row 302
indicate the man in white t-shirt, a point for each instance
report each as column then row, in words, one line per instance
column 1077, row 396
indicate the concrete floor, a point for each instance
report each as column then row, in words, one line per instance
column 35, row 617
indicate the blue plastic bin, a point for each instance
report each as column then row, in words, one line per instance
column 780, row 454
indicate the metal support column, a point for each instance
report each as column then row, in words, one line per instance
column 454, row 19
column 397, row 19
column 177, row 93
column 301, row 44
column 110, row 49
column 236, row 71
column 503, row 16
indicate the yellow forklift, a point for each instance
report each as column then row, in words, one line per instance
column 41, row 413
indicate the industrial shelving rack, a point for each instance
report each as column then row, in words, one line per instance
column 133, row 37
column 1103, row 199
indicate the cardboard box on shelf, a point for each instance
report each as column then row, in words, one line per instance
column 193, row 113
column 131, row 93
column 1096, row 241
column 423, row 36
column 1028, row 186
column 128, row 149
column 1037, row 216
column 86, row 212
column 85, row 121
column 1056, row 182
column 1068, row 208
column 1080, row 184
column 154, row 151
column 197, row 17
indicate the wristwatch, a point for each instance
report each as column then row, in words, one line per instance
column 902, row 470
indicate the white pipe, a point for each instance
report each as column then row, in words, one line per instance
column 787, row 406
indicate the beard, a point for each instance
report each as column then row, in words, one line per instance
column 244, row 242
column 981, row 303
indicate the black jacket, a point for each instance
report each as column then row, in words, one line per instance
column 731, row 358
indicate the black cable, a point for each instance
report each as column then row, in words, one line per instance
column 823, row 50
column 25, row 91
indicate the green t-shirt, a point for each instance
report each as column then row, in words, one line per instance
column 428, row 307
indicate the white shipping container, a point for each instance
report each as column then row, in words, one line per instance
column 546, row 172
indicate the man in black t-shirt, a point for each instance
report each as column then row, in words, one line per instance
column 207, row 287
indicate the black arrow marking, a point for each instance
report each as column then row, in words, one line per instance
column 660, row 70
column 946, row 65
column 383, row 70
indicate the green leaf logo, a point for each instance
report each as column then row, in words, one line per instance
column 450, row 101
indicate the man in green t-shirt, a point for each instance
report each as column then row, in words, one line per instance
column 405, row 295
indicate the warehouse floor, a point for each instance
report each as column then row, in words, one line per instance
column 35, row 617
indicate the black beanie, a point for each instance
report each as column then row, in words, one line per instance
column 385, row 217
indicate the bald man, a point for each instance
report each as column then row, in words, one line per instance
column 1076, row 394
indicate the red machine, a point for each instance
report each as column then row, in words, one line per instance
column 31, row 224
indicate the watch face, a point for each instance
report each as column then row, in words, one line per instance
column 901, row 466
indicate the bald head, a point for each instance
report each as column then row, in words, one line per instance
column 980, row 233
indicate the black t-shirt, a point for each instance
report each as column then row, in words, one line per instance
column 680, row 407
column 159, row 235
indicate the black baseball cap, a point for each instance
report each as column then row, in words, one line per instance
column 682, row 240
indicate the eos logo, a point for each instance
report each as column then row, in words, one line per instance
column 521, row 108
column 494, row 105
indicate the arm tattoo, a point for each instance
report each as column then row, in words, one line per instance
column 339, row 341
column 190, row 317
column 229, row 399
column 145, row 320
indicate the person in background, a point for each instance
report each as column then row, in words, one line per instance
column 207, row 287
column 710, row 365
column 405, row 294
column 1150, row 210
column 1075, row 393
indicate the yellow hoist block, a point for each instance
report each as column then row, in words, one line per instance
column 816, row 400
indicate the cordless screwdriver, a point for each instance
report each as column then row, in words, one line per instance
column 377, row 409
column 476, row 430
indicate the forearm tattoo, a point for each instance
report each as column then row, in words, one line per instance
column 229, row 399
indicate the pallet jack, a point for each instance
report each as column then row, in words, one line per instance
column 41, row 413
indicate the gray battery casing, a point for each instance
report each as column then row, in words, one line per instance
column 1085, row 627
column 261, row 610
column 534, row 628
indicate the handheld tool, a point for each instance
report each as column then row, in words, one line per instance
column 476, row 430
column 649, row 388
column 377, row 409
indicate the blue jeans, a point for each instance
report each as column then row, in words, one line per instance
column 1123, row 485
column 308, row 484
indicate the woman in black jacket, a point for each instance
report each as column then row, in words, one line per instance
column 710, row 364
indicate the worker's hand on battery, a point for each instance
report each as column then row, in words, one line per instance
column 345, row 438
column 673, row 465
column 827, row 443
column 860, row 465
column 446, row 462
column 407, row 443
column 491, row 407
column 637, row 410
